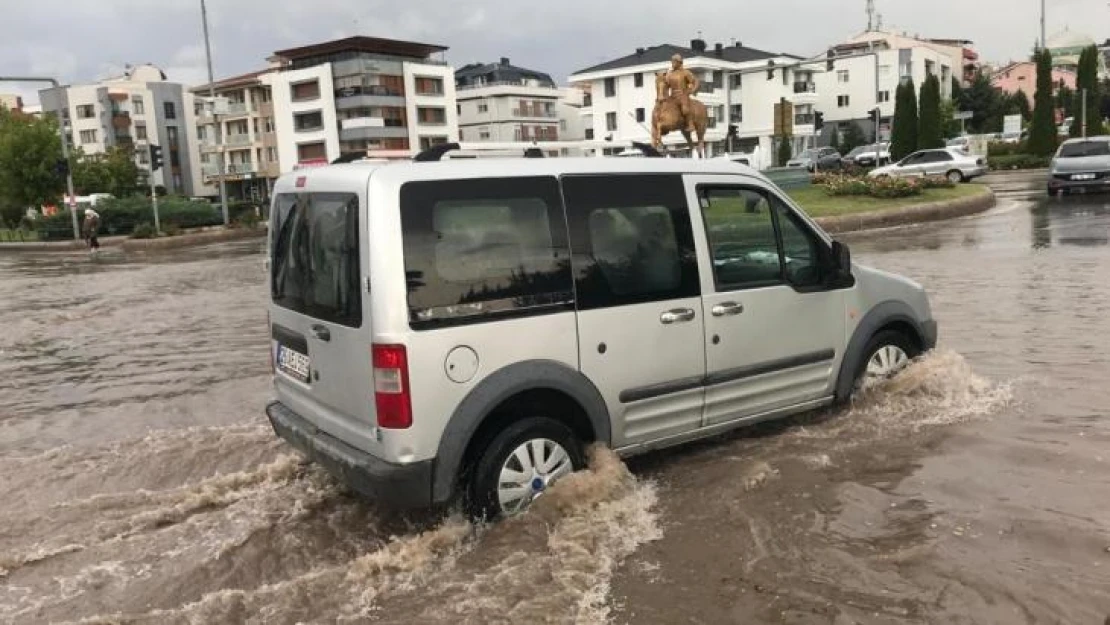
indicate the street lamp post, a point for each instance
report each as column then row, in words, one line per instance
column 71, row 199
column 215, row 118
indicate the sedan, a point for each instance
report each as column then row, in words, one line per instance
column 1081, row 165
column 951, row 163
column 873, row 155
column 824, row 159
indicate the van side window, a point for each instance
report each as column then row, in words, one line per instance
column 315, row 265
column 476, row 250
column 631, row 238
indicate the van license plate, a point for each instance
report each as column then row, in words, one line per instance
column 293, row 363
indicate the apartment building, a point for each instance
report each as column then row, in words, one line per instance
column 739, row 85
column 11, row 102
column 500, row 102
column 240, row 121
column 362, row 95
column 868, row 68
column 134, row 110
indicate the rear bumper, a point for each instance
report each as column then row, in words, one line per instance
column 975, row 172
column 397, row 486
column 1099, row 184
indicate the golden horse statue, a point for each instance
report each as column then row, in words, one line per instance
column 667, row 117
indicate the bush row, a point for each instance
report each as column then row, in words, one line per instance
column 885, row 187
column 124, row 215
column 1020, row 161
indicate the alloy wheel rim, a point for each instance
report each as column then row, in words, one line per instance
column 886, row 361
column 529, row 471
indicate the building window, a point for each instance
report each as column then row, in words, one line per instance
column 170, row 109
column 842, row 101
column 137, row 105
column 458, row 109
column 884, row 96
column 140, row 132
column 271, row 155
column 483, row 108
column 589, row 133
column 309, row 90
column 610, row 87
column 86, row 111
column 178, row 184
column 842, row 76
column 639, row 114
column 429, row 86
column 563, row 125
column 307, row 122
column 734, row 81
column 268, row 124
column 736, row 113
column 610, row 121
column 638, row 80
column 311, row 152
column 143, row 155
column 428, row 142
column 483, row 134
column 88, row 136
column 431, row 116
column 884, row 70
column 175, row 158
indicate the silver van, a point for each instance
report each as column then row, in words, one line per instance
column 461, row 330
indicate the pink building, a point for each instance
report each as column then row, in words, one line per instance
column 1023, row 77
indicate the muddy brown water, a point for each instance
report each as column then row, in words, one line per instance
column 140, row 484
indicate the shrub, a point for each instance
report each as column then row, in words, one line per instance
column 887, row 187
column 936, row 182
column 171, row 230
column 1001, row 148
column 144, row 231
column 1019, row 161
column 123, row 215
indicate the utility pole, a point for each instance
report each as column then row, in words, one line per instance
column 1042, row 26
column 1084, row 114
column 215, row 118
column 71, row 199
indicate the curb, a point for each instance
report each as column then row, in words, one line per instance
column 921, row 213
column 188, row 240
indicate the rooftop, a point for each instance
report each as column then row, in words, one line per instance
column 242, row 80
column 363, row 44
column 503, row 72
column 734, row 53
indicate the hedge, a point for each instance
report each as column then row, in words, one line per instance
column 883, row 187
column 1019, row 161
column 1001, row 148
column 122, row 216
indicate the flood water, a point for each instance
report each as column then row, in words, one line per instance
column 140, row 483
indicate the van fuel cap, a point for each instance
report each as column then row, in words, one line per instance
column 461, row 364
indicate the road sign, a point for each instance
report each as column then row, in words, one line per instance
column 963, row 115
column 1011, row 124
column 784, row 119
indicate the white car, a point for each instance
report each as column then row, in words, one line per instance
column 874, row 155
column 952, row 163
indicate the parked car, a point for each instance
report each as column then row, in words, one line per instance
column 951, row 163
column 824, row 158
column 872, row 155
column 464, row 329
column 960, row 143
column 738, row 157
column 1080, row 165
column 1065, row 128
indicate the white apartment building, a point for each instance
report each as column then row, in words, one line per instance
column 244, row 110
column 740, row 86
column 11, row 101
column 360, row 95
column 135, row 110
column 879, row 62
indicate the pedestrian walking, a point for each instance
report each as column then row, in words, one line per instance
column 90, row 228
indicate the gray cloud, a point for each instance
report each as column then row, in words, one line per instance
column 80, row 40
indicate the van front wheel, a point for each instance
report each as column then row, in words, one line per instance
column 519, row 464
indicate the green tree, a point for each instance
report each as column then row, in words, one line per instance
column 984, row 101
column 929, row 133
column 949, row 125
column 1042, row 134
column 834, row 139
column 1065, row 99
column 1087, row 79
column 112, row 172
column 903, row 140
column 1019, row 103
column 30, row 151
column 852, row 139
column 957, row 90
column 786, row 150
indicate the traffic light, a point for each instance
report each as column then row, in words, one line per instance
column 733, row 131
column 818, row 121
column 155, row 157
column 770, row 70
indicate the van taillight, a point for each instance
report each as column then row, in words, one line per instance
column 391, row 387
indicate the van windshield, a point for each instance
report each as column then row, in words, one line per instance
column 314, row 269
column 1080, row 149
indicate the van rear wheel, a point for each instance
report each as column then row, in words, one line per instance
column 519, row 464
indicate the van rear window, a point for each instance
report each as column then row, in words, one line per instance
column 314, row 269
column 1080, row 149
column 483, row 249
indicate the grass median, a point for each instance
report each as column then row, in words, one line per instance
column 817, row 203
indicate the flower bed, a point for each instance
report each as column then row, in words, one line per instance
column 882, row 187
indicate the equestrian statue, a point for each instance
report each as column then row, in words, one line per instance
column 675, row 109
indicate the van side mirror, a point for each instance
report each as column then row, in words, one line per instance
column 842, row 262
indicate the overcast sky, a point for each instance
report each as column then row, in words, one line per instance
column 82, row 40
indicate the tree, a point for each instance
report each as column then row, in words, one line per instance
column 112, row 172
column 852, row 139
column 834, row 139
column 1019, row 103
column 957, row 90
column 1065, row 99
column 903, row 140
column 30, row 150
column 984, row 101
column 929, row 134
column 786, row 150
column 949, row 125
column 1042, row 134
column 1087, row 79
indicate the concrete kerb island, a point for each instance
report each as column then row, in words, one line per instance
column 919, row 213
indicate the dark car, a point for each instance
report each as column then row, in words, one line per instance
column 824, row 158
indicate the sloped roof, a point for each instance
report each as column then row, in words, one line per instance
column 363, row 44
column 241, row 80
column 499, row 72
column 735, row 53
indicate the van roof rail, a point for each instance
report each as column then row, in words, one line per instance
column 435, row 152
column 647, row 149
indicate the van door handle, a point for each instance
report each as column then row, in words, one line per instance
column 677, row 315
column 727, row 309
column 321, row 332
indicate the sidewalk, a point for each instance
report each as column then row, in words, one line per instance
column 201, row 237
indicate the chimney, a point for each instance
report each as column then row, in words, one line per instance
column 719, row 50
column 504, row 60
column 639, row 51
column 739, row 44
column 697, row 45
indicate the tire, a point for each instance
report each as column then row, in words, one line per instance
column 955, row 176
column 881, row 341
column 482, row 490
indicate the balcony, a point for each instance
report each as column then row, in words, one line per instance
column 237, row 109
column 241, row 139
column 231, row 170
column 804, row 93
column 370, row 95
column 362, row 128
column 804, row 124
column 535, row 113
column 266, row 109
